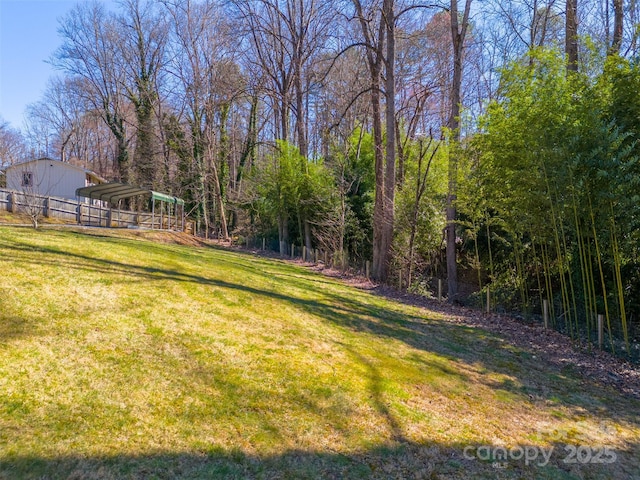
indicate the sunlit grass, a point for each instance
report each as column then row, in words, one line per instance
column 126, row 358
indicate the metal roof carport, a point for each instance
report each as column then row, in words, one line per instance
column 112, row 193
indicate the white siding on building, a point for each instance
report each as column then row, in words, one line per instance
column 48, row 177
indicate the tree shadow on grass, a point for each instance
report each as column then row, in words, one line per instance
column 407, row 461
column 365, row 314
column 13, row 327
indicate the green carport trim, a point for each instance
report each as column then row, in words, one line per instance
column 163, row 197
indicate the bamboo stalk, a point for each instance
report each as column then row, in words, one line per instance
column 592, row 282
column 604, row 286
column 571, row 288
column 618, row 275
column 477, row 257
column 516, row 252
column 491, row 272
column 547, row 279
column 583, row 269
column 488, row 301
column 537, row 268
column 600, row 332
column 545, row 313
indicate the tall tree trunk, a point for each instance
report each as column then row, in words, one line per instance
column 202, row 193
column 301, row 136
column 116, row 124
column 284, row 118
column 145, row 171
column 618, row 13
column 248, row 153
column 571, row 35
column 197, row 137
column 216, row 167
column 375, row 54
column 122, row 156
column 458, row 33
column 377, row 267
column 247, row 157
column 283, row 233
column 390, row 141
column 219, row 202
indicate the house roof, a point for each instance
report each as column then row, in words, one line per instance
column 113, row 192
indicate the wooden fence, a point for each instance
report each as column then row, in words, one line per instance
column 85, row 213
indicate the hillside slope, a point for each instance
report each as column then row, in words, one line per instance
column 122, row 357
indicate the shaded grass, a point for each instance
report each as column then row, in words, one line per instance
column 125, row 358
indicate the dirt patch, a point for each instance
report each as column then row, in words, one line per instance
column 171, row 238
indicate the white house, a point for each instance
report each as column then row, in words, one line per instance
column 49, row 177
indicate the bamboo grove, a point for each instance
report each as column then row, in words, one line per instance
column 489, row 145
column 551, row 198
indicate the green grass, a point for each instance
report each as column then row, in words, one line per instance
column 121, row 357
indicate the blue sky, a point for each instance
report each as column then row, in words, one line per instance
column 28, row 37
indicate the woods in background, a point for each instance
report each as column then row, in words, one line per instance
column 492, row 145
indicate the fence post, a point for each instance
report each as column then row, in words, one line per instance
column 45, row 206
column 10, row 201
column 264, row 243
column 367, row 269
column 439, row 290
column 293, row 250
column 600, row 331
column 545, row 313
column 488, row 301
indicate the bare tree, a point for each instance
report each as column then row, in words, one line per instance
column 89, row 50
column 61, row 109
column 119, row 57
column 287, row 38
column 12, row 145
column 209, row 82
column 459, row 26
column 375, row 25
column 420, row 188
column 143, row 32
column 423, row 78
column 527, row 23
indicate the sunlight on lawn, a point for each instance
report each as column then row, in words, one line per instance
column 127, row 354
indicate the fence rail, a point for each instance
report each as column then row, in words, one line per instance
column 86, row 213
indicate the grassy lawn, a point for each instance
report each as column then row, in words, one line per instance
column 121, row 357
